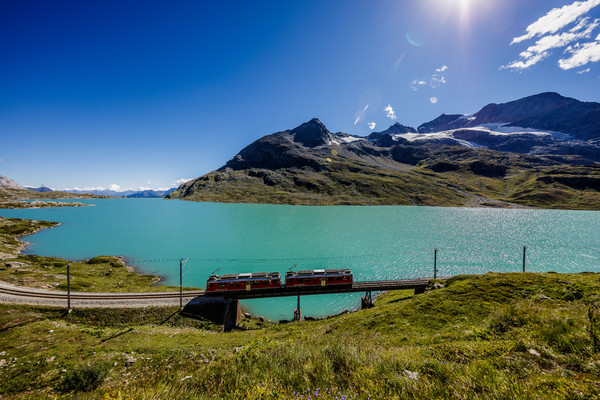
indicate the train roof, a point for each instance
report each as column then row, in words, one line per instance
column 313, row 272
column 246, row 275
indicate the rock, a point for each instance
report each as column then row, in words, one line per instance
column 185, row 378
column 310, row 319
column 129, row 362
column 14, row 264
column 411, row 374
column 544, row 297
column 2, row 362
column 247, row 315
column 50, row 359
column 534, row 352
column 262, row 319
column 437, row 285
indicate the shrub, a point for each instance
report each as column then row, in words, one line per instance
column 83, row 379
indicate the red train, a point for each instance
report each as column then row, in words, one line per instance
column 258, row 281
column 319, row 277
column 243, row 282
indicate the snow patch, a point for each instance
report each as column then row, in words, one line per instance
column 343, row 139
column 466, row 143
column 500, row 128
column 411, row 137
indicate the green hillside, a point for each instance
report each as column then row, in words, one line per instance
column 447, row 176
column 496, row 336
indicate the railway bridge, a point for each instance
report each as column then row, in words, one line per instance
column 222, row 308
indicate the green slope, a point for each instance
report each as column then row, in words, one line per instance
column 496, row 336
column 448, row 176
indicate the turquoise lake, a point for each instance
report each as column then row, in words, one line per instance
column 375, row 242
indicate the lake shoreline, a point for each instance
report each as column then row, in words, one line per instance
column 47, row 272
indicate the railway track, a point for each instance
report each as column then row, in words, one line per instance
column 16, row 294
column 98, row 296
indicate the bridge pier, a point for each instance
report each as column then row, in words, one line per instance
column 232, row 314
column 366, row 301
column 420, row 290
column 297, row 312
column 218, row 309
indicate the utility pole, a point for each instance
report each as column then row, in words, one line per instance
column 180, row 284
column 297, row 312
column 434, row 263
column 524, row 253
column 68, row 288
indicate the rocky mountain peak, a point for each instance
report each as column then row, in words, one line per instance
column 9, row 183
column 399, row 128
column 312, row 133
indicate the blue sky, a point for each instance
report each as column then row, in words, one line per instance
column 134, row 94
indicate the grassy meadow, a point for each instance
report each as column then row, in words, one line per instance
column 494, row 336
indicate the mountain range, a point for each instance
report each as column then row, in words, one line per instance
column 113, row 193
column 540, row 151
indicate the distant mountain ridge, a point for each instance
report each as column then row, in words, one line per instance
column 547, row 111
column 39, row 189
column 147, row 194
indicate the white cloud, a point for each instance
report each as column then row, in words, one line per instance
column 556, row 19
column 548, row 29
column 113, row 187
column 372, row 125
column 149, row 183
column 583, row 71
column 390, row 113
column 540, row 50
column 416, row 84
column 433, row 100
column 435, row 80
column 179, row 182
column 580, row 55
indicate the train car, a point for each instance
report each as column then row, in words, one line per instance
column 319, row 277
column 249, row 281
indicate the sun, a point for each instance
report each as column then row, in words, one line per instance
column 462, row 10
